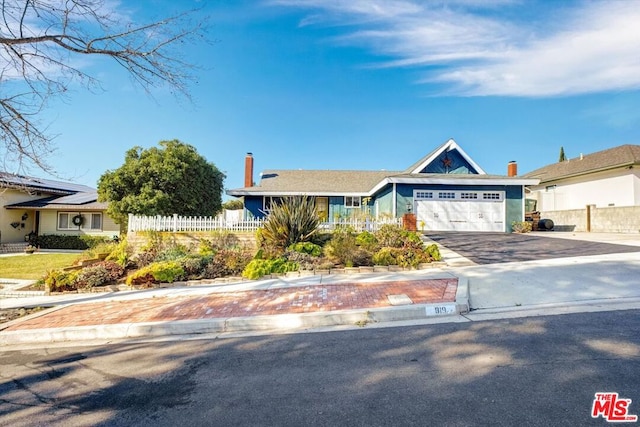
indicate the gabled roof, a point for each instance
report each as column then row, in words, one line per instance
column 617, row 157
column 447, row 146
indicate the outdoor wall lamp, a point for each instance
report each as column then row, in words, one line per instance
column 25, row 216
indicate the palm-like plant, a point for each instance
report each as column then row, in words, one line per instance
column 292, row 220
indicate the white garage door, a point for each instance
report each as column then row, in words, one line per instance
column 460, row 210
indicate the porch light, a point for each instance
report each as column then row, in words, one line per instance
column 409, row 207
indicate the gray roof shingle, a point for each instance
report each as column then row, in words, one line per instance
column 318, row 181
column 621, row 156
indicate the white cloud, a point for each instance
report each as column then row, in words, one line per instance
column 495, row 47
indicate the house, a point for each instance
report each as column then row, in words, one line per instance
column 43, row 206
column 445, row 189
column 592, row 192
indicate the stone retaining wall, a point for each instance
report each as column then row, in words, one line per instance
column 138, row 239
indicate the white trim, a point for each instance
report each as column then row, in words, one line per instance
column 297, row 193
column 352, row 206
column 394, row 208
column 448, row 146
column 461, row 181
column 400, row 180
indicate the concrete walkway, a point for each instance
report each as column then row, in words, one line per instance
column 601, row 282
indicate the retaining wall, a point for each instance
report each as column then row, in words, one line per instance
column 610, row 219
column 138, row 239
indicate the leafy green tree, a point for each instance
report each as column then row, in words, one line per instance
column 233, row 205
column 170, row 179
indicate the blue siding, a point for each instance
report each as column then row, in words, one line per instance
column 253, row 207
column 514, row 208
column 450, row 162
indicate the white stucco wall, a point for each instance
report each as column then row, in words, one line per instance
column 611, row 188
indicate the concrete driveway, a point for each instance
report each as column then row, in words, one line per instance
column 545, row 269
column 493, row 248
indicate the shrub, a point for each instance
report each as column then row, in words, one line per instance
column 521, row 226
column 385, row 256
column 60, row 280
column 60, row 241
column 233, row 205
column 391, row 236
column 292, row 220
column 172, row 252
column 367, row 241
column 226, row 262
column 156, row 272
column 342, row 246
column 99, row 274
column 304, row 260
column 235, row 260
column 193, row 265
column 434, row 252
column 262, row 267
column 306, row 248
column 121, row 253
column 143, row 259
column 408, row 256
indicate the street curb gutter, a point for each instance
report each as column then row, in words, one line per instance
column 281, row 322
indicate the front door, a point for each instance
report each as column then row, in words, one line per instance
column 322, row 208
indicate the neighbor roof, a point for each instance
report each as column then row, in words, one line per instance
column 621, row 156
column 40, row 184
column 61, row 195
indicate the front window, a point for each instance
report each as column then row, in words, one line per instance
column 77, row 220
column 352, row 201
column 96, row 221
column 64, row 221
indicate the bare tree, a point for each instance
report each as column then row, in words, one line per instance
column 42, row 47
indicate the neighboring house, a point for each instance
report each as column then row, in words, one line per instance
column 43, row 206
column 593, row 192
column 445, row 189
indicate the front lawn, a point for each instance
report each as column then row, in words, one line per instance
column 33, row 266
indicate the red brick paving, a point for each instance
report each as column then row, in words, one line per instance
column 302, row 299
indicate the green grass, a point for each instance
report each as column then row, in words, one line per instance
column 33, row 266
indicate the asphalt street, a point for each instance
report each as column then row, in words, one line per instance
column 541, row 371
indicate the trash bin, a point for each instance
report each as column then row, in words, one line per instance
column 545, row 225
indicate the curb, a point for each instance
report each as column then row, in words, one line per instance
column 279, row 322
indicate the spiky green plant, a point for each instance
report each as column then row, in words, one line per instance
column 292, row 220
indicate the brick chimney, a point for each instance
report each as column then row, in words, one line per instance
column 248, row 170
column 512, row 168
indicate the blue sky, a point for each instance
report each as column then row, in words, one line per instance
column 370, row 84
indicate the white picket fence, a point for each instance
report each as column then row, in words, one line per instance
column 178, row 223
